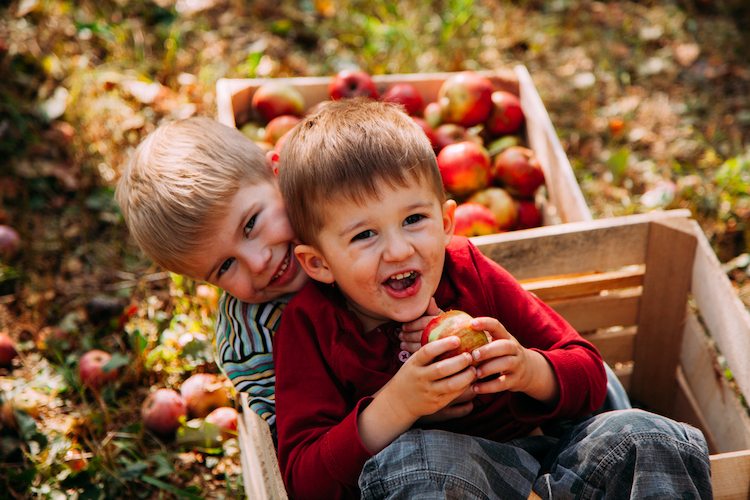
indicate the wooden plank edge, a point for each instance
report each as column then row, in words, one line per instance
column 618, row 308
column 587, row 284
column 688, row 410
column 730, row 475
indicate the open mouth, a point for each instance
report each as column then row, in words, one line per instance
column 283, row 267
column 401, row 281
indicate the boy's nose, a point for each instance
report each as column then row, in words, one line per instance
column 397, row 248
column 257, row 261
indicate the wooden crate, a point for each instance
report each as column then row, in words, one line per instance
column 565, row 202
column 650, row 293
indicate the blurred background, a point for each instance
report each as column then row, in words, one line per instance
column 650, row 99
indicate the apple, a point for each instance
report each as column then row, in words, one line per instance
column 253, row 131
column 280, row 143
column 91, row 369
column 429, row 131
column 203, row 393
column 405, row 94
column 10, row 242
column 225, row 418
column 506, row 116
column 352, row 83
column 433, row 114
column 449, row 133
column 528, row 214
column 465, row 167
column 519, row 171
column 280, row 126
column 456, row 323
column 501, row 203
column 277, row 98
column 162, row 410
column 465, row 98
column 7, row 350
column 474, row 219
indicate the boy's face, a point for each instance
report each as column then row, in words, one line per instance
column 386, row 255
column 251, row 253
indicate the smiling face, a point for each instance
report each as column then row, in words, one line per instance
column 251, row 253
column 386, row 255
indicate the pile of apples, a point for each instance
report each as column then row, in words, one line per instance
column 475, row 131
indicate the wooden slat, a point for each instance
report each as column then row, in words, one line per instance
column 719, row 404
column 561, row 183
column 585, row 314
column 662, row 316
column 573, row 248
column 588, row 284
column 730, row 475
column 688, row 410
column 614, row 346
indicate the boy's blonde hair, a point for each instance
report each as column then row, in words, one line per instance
column 346, row 150
column 180, row 181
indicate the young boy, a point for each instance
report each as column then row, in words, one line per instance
column 364, row 195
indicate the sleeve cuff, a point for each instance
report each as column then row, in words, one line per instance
column 343, row 451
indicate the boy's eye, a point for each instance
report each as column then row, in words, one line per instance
column 363, row 235
column 225, row 267
column 250, row 224
column 413, row 219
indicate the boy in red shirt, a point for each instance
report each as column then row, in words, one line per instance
column 364, row 195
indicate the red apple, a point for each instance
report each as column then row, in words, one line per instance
column 280, row 142
column 465, row 167
column 91, row 369
column 280, row 126
column 466, row 98
column 352, row 83
column 7, row 350
column 203, row 393
column 429, row 131
column 474, row 219
column 162, row 410
column 500, row 203
column 449, row 133
column 225, row 418
column 454, row 323
column 506, row 116
column 519, row 171
column 405, row 94
column 10, row 242
column 433, row 114
column 528, row 214
column 276, row 98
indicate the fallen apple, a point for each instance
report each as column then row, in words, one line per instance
column 7, row 350
column 433, row 114
column 528, row 214
column 474, row 219
column 465, row 98
column 352, row 83
column 506, row 116
column 225, row 418
column 465, row 167
column 91, row 369
column 501, row 203
column 275, row 99
column 518, row 170
column 456, row 323
column 203, row 393
column 10, row 243
column 280, row 126
column 407, row 95
column 162, row 410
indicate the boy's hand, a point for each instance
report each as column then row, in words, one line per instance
column 518, row 369
column 411, row 333
column 459, row 407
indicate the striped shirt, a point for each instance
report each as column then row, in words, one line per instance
column 244, row 342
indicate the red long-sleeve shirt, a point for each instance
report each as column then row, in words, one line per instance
column 327, row 369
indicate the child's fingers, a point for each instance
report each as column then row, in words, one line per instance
column 491, row 326
column 411, row 347
column 432, row 350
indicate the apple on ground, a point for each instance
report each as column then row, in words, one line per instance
column 162, row 410
column 465, row 167
column 501, row 203
column 277, row 98
column 456, row 323
column 407, row 95
column 280, row 126
column 7, row 350
column 528, row 214
column 474, row 219
column 506, row 116
column 352, row 83
column 10, row 243
column 465, row 98
column 433, row 114
column 518, row 170
column 91, row 369
column 225, row 418
column 203, row 393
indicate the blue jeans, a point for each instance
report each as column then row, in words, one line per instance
column 622, row 454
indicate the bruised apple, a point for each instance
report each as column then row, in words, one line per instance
column 352, row 83
column 465, row 167
column 506, row 116
column 276, row 98
column 162, row 410
column 407, row 95
column 500, row 203
column 91, row 369
column 203, row 393
column 454, row 323
column 465, row 98
column 474, row 219
column 519, row 171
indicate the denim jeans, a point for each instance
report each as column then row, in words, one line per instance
column 622, row 454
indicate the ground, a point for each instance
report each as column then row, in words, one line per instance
column 651, row 101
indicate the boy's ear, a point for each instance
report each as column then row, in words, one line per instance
column 449, row 220
column 272, row 159
column 313, row 263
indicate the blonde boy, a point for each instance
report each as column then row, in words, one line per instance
column 364, row 195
